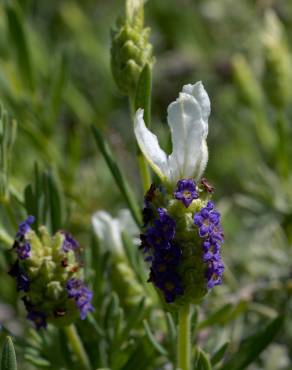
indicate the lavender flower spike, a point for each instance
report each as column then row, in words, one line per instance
column 49, row 274
column 182, row 244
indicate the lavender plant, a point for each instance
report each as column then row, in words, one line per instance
column 150, row 287
column 182, row 231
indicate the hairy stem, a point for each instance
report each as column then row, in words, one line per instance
column 184, row 338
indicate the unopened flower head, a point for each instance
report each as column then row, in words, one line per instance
column 182, row 233
column 131, row 49
column 48, row 271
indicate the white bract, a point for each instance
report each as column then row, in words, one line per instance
column 109, row 229
column 188, row 121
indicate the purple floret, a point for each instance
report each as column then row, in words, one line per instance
column 83, row 302
column 21, row 277
column 73, row 287
column 162, row 233
column 23, row 250
column 38, row 318
column 69, row 243
column 24, row 226
column 207, row 220
column 168, row 281
column 186, row 191
column 21, row 245
column 214, row 272
column 155, row 238
column 82, row 295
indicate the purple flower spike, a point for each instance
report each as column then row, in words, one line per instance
column 186, row 191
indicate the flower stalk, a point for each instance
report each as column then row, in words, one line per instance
column 184, row 338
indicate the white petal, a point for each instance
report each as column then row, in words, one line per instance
column 200, row 94
column 149, row 146
column 202, row 163
column 108, row 232
column 187, row 131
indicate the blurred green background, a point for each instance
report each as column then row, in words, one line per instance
column 55, row 80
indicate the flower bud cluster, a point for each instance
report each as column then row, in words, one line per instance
column 130, row 51
column 49, row 272
column 181, row 241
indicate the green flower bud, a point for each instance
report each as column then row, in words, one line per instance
column 49, row 272
column 130, row 49
column 278, row 60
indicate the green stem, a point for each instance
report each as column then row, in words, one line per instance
column 184, row 338
column 77, row 346
column 145, row 173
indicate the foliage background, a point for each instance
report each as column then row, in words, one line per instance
column 55, row 81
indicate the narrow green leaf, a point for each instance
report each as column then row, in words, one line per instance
column 117, row 175
column 5, row 238
column 38, row 361
column 112, row 311
column 152, row 339
column 143, row 100
column 55, row 202
column 171, row 327
column 218, row 316
column 219, row 354
column 30, row 201
column 132, row 254
column 203, row 361
column 134, row 317
column 58, row 85
column 8, row 359
column 18, row 37
column 95, row 325
column 143, row 93
column 251, row 347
